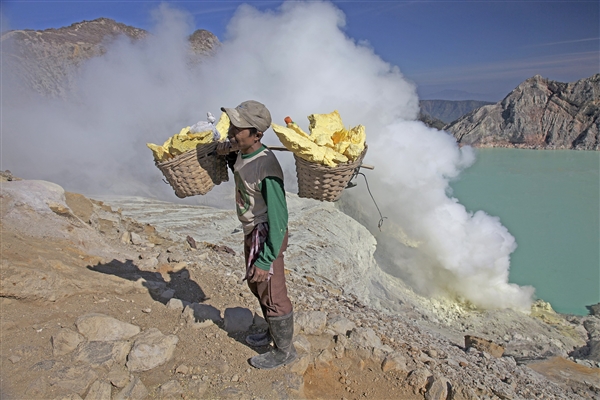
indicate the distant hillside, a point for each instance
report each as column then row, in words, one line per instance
column 452, row 94
column 47, row 60
column 539, row 113
column 449, row 110
column 431, row 121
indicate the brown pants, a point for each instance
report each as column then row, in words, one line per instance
column 271, row 294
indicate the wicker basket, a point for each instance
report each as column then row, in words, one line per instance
column 195, row 171
column 320, row 182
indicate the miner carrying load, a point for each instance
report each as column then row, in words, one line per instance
column 262, row 210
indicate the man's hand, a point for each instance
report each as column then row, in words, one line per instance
column 258, row 275
column 224, row 148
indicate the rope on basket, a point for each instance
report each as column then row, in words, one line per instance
column 381, row 217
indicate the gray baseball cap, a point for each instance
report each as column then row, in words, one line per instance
column 249, row 114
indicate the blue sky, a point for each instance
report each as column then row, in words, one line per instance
column 482, row 47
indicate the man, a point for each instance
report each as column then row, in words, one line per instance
column 262, row 210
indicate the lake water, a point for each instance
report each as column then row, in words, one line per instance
column 550, row 202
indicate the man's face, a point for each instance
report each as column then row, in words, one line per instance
column 242, row 138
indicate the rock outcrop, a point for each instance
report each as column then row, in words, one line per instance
column 538, row 114
column 48, row 61
column 160, row 318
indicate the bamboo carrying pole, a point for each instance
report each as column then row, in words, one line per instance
column 282, row 148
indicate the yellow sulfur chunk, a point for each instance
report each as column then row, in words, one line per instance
column 298, row 130
column 357, row 135
column 340, row 136
column 203, row 137
column 323, row 126
column 354, row 151
column 333, row 158
column 322, row 140
column 341, row 147
column 356, row 138
column 304, row 148
column 185, row 141
column 159, row 152
column 223, row 126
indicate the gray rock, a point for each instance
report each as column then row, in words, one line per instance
column 135, row 390
column 395, row 362
column 151, row 349
column 147, row 264
column 237, row 319
column 45, row 365
column 100, row 390
column 437, row 389
column 594, row 309
column 100, row 327
column 324, row 359
column 312, row 322
column 75, row 378
column 175, row 257
column 136, row 239
column 167, row 294
column 175, row 304
column 65, row 341
column 126, row 237
column 340, row 324
column 15, row 359
column 418, row 378
column 301, row 364
column 170, row 390
column 99, row 354
column 119, row 376
column 364, row 337
column 302, row 344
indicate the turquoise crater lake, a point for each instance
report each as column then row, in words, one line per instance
column 550, row 202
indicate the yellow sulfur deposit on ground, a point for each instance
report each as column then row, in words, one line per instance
column 329, row 142
column 185, row 140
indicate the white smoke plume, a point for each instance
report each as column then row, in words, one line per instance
column 297, row 60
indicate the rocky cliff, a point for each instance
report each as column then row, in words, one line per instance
column 47, row 61
column 538, row 114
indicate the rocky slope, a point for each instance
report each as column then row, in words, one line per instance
column 136, row 298
column 450, row 110
column 539, row 114
column 48, row 60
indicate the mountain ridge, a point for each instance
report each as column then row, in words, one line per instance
column 47, row 61
column 538, row 114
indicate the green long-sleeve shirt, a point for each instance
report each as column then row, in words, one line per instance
column 274, row 194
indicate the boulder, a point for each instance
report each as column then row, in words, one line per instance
column 65, row 341
column 151, row 349
column 100, row 327
column 340, row 324
column 135, row 390
column 311, row 322
column 99, row 354
column 481, row 344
